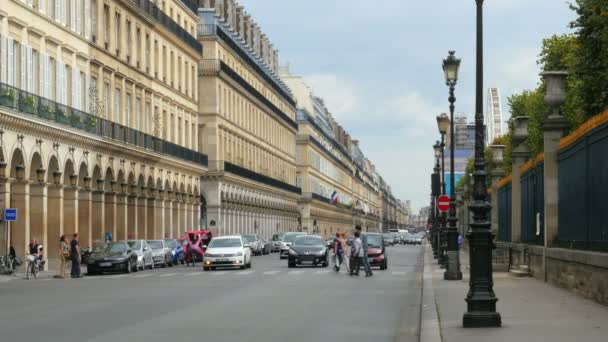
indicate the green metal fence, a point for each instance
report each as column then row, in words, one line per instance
column 583, row 185
column 504, row 213
column 533, row 205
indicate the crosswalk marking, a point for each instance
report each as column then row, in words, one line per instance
column 167, row 275
column 194, row 274
column 245, row 272
column 117, row 276
column 271, row 272
column 294, row 272
column 322, row 272
column 398, row 273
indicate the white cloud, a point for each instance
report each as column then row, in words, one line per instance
column 339, row 94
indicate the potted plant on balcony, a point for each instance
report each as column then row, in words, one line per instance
column 61, row 117
column 27, row 104
column 46, row 112
column 76, row 121
column 91, row 124
column 7, row 97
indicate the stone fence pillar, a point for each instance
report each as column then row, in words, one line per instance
column 520, row 155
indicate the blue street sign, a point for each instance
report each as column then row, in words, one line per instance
column 10, row 214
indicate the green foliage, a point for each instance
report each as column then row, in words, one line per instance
column 591, row 56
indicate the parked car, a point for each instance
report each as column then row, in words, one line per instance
column 286, row 242
column 308, row 249
column 376, row 251
column 276, row 242
column 112, row 257
column 177, row 252
column 227, row 251
column 254, row 242
column 161, row 253
column 388, row 239
column 144, row 253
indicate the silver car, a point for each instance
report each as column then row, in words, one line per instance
column 161, row 253
column 144, row 253
column 254, row 242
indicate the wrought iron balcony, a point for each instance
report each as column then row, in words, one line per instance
column 36, row 106
column 152, row 10
column 214, row 30
column 257, row 177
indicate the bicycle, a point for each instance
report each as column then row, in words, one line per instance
column 33, row 267
column 7, row 265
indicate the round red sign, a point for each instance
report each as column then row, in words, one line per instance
column 443, row 203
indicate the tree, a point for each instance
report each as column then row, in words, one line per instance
column 591, row 56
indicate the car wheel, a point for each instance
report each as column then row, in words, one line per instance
column 291, row 264
column 249, row 264
column 152, row 264
column 129, row 267
column 205, row 268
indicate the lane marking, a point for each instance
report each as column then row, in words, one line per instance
column 143, row 276
column 117, row 276
column 322, row 272
column 245, row 272
column 398, row 273
column 219, row 273
column 167, row 275
column 271, row 272
column 294, row 272
column 194, row 274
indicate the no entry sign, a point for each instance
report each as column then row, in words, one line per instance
column 443, row 203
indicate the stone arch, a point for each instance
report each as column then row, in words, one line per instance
column 68, row 170
column 109, row 182
column 150, row 183
column 83, row 173
column 97, row 178
column 120, row 178
column 53, row 169
column 36, row 166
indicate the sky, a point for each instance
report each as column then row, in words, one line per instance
column 377, row 65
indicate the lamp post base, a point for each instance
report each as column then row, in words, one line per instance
column 453, row 267
column 481, row 319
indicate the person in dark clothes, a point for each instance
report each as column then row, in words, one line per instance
column 364, row 245
column 75, row 254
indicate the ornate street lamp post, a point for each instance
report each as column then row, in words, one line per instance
column 481, row 300
column 450, row 68
column 443, row 123
column 436, row 194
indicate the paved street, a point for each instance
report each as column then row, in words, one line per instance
column 269, row 302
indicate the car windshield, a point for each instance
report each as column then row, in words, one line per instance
column 387, row 236
column 374, row 241
column 225, row 243
column 115, row 248
column 291, row 237
column 277, row 237
column 308, row 241
column 171, row 243
column 155, row 244
column 249, row 238
column 135, row 244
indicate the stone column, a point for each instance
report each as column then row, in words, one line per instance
column 554, row 128
column 5, row 202
column 168, row 205
column 110, row 215
column 142, row 206
column 132, row 216
column 99, row 216
column 159, row 214
column 39, row 214
column 153, row 228
column 20, row 229
column 122, row 217
column 520, row 155
column 175, row 217
column 55, row 223
column 71, row 215
column 78, row 214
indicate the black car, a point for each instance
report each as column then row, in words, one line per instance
column 308, row 249
column 112, row 257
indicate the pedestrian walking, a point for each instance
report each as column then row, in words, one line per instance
column 365, row 259
column 75, row 255
column 338, row 252
column 345, row 251
column 357, row 254
column 64, row 256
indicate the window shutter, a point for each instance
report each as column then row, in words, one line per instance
column 73, row 11
column 41, row 74
column 23, row 84
column 87, row 30
column 3, row 58
column 30, row 69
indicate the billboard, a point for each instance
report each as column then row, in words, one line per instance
column 448, row 184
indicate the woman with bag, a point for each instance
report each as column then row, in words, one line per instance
column 64, row 255
column 346, row 251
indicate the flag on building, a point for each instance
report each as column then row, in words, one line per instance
column 334, row 197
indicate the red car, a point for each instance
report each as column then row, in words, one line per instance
column 376, row 253
column 196, row 245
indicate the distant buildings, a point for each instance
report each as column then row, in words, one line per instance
column 493, row 117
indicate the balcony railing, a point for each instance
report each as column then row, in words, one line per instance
column 36, row 106
column 206, row 30
column 241, row 81
column 254, row 176
column 209, row 66
column 152, row 10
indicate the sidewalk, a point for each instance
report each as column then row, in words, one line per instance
column 531, row 310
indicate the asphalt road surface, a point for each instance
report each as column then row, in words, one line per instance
column 268, row 302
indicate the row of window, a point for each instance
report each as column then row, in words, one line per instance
column 248, row 116
column 244, row 153
column 327, row 167
column 41, row 74
column 321, row 188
